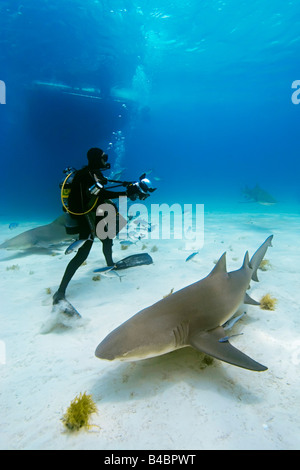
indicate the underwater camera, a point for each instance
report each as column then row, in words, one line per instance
column 141, row 189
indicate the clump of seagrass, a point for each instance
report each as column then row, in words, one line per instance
column 14, row 267
column 79, row 412
column 267, row 302
column 265, row 265
column 206, row 361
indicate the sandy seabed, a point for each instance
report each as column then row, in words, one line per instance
column 171, row 402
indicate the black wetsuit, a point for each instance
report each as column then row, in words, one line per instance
column 80, row 201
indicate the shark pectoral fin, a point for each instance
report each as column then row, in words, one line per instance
column 208, row 342
column 250, row 301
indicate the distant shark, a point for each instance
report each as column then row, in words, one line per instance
column 40, row 237
column 193, row 316
column 259, row 195
column 128, row 94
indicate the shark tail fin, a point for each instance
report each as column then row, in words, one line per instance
column 209, row 343
column 259, row 256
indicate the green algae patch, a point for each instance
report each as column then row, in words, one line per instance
column 79, row 412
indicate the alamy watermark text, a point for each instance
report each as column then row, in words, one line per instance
column 2, row 92
column 2, row 353
column 296, row 94
column 158, row 221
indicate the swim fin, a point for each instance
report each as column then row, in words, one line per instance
column 65, row 307
column 134, row 260
column 128, row 262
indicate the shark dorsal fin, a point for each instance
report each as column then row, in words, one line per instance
column 61, row 220
column 246, row 260
column 220, row 266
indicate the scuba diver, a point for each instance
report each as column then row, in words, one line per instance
column 87, row 193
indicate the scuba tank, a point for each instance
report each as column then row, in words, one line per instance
column 66, row 188
column 71, row 225
column 66, row 185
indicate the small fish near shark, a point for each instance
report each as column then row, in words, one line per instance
column 75, row 246
column 193, row 316
column 192, row 256
column 13, row 225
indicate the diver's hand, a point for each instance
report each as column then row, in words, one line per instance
column 104, row 180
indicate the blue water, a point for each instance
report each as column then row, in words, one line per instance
column 199, row 91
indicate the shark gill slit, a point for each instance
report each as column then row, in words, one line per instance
column 181, row 333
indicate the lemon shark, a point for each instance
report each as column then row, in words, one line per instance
column 259, row 195
column 193, row 316
column 39, row 237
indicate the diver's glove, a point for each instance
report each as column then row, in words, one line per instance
column 104, row 180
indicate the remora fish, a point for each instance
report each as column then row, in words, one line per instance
column 192, row 316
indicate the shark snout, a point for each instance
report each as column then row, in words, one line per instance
column 103, row 351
